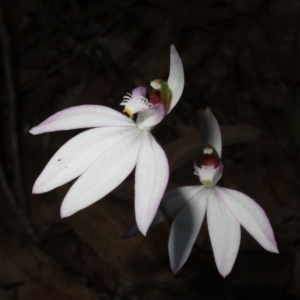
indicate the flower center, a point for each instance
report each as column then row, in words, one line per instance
column 211, row 167
column 135, row 103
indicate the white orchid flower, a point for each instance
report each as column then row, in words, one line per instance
column 105, row 155
column 226, row 210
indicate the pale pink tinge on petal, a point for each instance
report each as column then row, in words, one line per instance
column 173, row 200
column 83, row 116
column 176, row 77
column 151, row 178
column 210, row 132
column 105, row 174
column 251, row 216
column 185, row 229
column 150, row 117
column 224, row 231
column 77, row 155
column 139, row 91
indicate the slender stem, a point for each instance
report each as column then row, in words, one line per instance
column 17, row 184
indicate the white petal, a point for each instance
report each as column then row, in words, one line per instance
column 176, row 77
column 151, row 178
column 225, row 233
column 210, row 132
column 185, row 229
column 251, row 216
column 150, row 117
column 77, row 155
column 83, row 116
column 171, row 202
column 107, row 172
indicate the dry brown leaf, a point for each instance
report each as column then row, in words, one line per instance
column 37, row 275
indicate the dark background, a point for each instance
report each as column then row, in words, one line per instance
column 241, row 58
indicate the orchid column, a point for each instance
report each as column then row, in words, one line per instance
column 105, row 155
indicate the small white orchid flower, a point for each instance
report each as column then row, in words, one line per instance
column 226, row 210
column 105, row 155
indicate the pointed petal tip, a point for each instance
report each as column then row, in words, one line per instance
column 65, row 214
column 36, row 189
column 39, row 187
column 143, row 232
column 175, row 270
column 272, row 245
column 251, row 216
column 34, row 130
column 143, row 228
column 274, row 249
column 224, row 272
column 208, row 111
column 66, row 210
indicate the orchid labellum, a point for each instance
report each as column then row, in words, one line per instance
column 102, row 157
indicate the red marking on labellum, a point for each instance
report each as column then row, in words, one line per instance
column 210, row 160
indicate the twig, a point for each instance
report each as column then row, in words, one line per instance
column 12, row 127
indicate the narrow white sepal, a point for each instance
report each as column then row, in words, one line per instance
column 83, row 116
column 77, row 155
column 224, row 231
column 106, row 173
column 185, row 229
column 176, row 77
column 251, row 216
column 151, row 178
column 210, row 132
